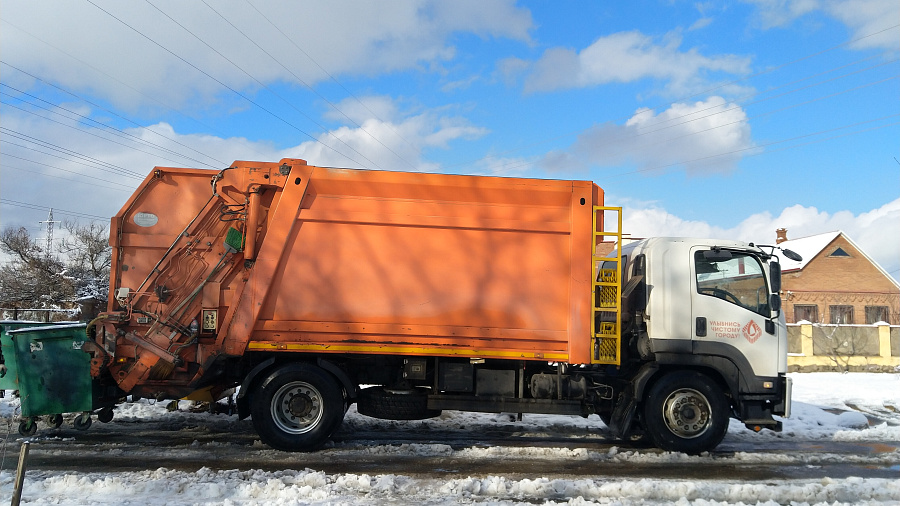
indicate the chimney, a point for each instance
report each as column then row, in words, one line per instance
column 780, row 235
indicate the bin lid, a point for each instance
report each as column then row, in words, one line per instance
column 73, row 325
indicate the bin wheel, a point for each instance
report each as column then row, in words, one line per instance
column 105, row 415
column 28, row 427
column 83, row 421
column 54, row 421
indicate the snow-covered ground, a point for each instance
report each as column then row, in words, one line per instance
column 828, row 407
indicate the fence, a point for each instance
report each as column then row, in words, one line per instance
column 40, row 315
column 819, row 347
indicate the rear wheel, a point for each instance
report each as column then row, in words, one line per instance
column 297, row 407
column 686, row 412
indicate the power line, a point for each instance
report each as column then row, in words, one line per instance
column 114, row 113
column 27, row 205
column 85, row 131
column 117, row 81
column 119, row 133
column 360, row 102
column 304, row 83
column 93, row 185
column 109, row 167
column 198, row 69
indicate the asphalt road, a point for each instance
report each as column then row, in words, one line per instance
column 134, row 446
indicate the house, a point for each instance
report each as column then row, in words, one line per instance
column 842, row 308
column 835, row 283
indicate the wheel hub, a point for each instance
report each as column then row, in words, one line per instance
column 687, row 413
column 300, row 405
column 297, row 407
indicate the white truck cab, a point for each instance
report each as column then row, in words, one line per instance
column 706, row 322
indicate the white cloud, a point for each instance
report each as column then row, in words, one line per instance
column 864, row 18
column 777, row 13
column 345, row 38
column 868, row 17
column 389, row 145
column 627, row 57
column 703, row 137
column 877, row 231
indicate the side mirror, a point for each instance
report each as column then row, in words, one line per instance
column 775, row 276
column 775, row 303
column 792, row 255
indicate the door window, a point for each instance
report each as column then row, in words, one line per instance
column 734, row 277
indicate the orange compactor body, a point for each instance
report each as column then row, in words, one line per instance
column 286, row 257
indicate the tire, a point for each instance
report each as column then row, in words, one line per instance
column 297, row 407
column 28, row 427
column 82, row 421
column 408, row 405
column 105, row 415
column 686, row 412
column 54, row 421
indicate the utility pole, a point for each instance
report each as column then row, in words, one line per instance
column 49, row 221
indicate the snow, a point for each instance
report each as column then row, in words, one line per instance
column 829, row 408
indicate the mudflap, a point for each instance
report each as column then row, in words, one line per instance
column 622, row 418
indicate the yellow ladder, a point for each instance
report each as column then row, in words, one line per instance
column 606, row 317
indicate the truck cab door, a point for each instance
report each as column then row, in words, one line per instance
column 730, row 308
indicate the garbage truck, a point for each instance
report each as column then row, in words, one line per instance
column 307, row 289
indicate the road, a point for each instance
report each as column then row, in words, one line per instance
column 220, row 442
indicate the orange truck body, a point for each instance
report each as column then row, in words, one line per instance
column 344, row 261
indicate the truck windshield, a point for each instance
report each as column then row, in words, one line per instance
column 737, row 279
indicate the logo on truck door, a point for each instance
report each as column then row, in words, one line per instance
column 751, row 331
column 729, row 330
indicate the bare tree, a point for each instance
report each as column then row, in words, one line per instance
column 37, row 279
column 34, row 278
column 88, row 259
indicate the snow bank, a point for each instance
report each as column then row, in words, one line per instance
column 207, row 487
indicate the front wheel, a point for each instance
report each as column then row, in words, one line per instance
column 297, row 407
column 686, row 412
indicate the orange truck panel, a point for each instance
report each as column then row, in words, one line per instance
column 353, row 261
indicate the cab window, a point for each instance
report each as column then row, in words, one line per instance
column 734, row 277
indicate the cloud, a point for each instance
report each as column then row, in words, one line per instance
column 709, row 136
column 396, row 143
column 96, row 177
column 778, row 13
column 866, row 19
column 86, row 49
column 626, row 57
column 877, row 231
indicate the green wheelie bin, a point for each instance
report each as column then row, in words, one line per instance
column 53, row 375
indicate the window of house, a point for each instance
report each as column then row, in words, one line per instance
column 839, row 253
column 806, row 312
column 875, row 314
column 841, row 314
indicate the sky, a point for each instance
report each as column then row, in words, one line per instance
column 713, row 119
